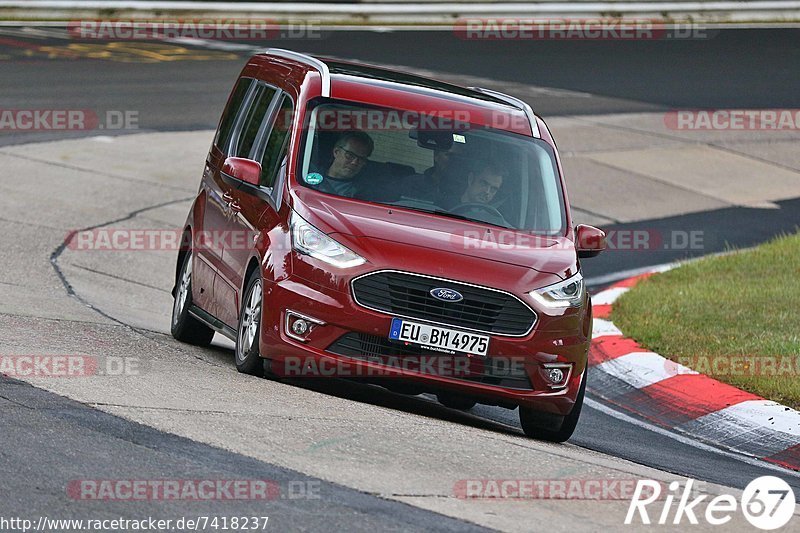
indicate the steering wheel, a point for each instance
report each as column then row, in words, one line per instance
column 494, row 214
column 459, row 209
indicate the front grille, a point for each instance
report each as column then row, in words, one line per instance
column 408, row 295
column 381, row 350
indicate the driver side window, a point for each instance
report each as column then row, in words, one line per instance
column 252, row 121
column 232, row 111
column 276, row 144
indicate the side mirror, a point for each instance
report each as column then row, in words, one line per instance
column 247, row 170
column 589, row 241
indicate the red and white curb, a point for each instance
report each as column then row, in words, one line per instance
column 672, row 396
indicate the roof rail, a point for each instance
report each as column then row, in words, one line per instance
column 308, row 60
column 515, row 102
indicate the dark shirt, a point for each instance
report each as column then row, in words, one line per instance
column 373, row 183
column 340, row 187
column 444, row 190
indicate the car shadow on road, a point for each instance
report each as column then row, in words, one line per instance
column 370, row 393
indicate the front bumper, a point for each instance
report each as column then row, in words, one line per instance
column 513, row 373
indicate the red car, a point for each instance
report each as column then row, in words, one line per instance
column 358, row 222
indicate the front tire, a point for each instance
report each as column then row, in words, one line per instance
column 185, row 327
column 248, row 359
column 551, row 427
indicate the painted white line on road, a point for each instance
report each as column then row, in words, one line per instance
column 760, row 414
column 609, row 296
column 750, row 460
column 216, row 45
column 602, row 328
column 625, row 274
column 640, row 369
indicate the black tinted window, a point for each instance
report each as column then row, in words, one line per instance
column 276, row 143
column 253, row 120
column 231, row 112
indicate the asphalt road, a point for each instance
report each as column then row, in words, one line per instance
column 741, row 69
column 50, row 442
column 746, row 68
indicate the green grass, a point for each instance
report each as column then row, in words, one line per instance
column 708, row 314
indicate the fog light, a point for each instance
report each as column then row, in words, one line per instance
column 556, row 375
column 300, row 326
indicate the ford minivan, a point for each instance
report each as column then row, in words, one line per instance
column 363, row 223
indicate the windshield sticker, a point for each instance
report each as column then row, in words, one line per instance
column 459, row 138
column 315, row 178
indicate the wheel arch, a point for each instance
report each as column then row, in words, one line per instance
column 184, row 248
column 252, row 265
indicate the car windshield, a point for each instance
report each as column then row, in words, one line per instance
column 439, row 164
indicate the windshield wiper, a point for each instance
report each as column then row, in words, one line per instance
column 462, row 217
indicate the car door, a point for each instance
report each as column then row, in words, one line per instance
column 255, row 207
column 208, row 246
column 241, row 213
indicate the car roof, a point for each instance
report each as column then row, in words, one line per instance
column 373, row 72
column 347, row 78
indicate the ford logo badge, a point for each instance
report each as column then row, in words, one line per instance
column 446, row 295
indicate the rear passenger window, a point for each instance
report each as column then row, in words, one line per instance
column 231, row 112
column 252, row 122
column 276, row 143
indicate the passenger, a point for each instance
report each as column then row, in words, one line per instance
column 437, row 174
column 440, row 182
column 342, row 177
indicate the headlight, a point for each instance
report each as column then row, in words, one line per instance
column 308, row 240
column 567, row 293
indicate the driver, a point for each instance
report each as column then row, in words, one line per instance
column 483, row 183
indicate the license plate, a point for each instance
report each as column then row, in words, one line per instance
column 436, row 337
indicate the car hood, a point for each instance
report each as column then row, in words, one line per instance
column 362, row 225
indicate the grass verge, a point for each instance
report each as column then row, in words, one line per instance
column 734, row 317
